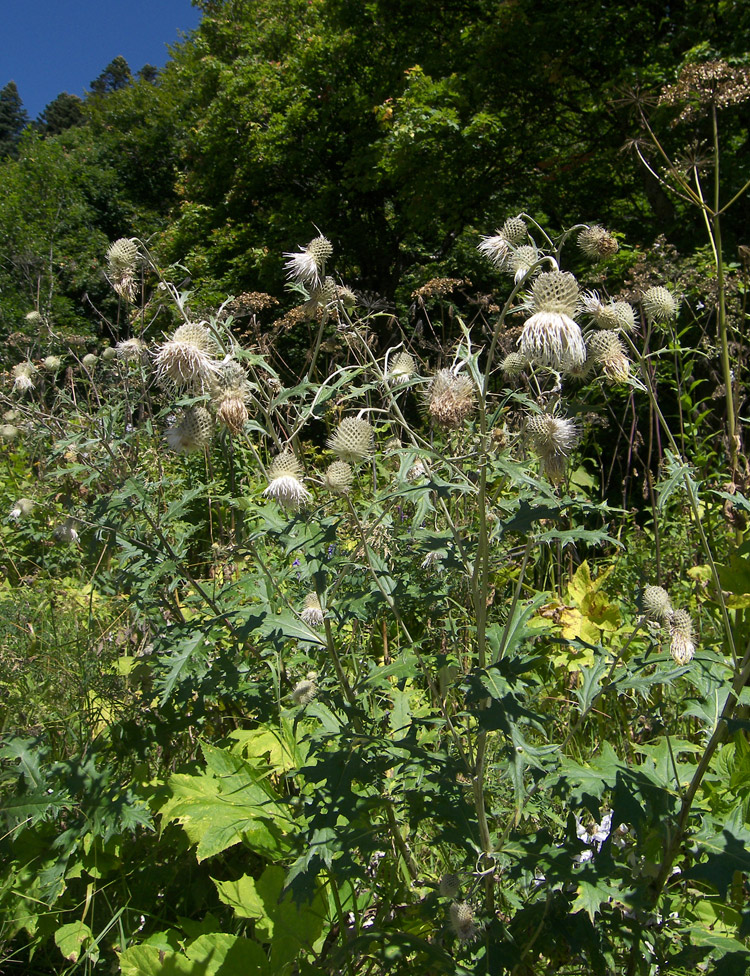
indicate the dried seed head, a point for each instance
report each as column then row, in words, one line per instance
column 285, row 482
column 597, row 243
column 462, row 921
column 555, row 291
column 339, row 477
column 232, row 412
column 450, row 398
column 400, row 368
column 659, row 304
column 307, row 265
column 450, row 885
column 304, row 691
column 313, row 612
column 681, row 646
column 552, row 467
column 188, row 357
column 23, row 507
column 656, row 604
column 552, row 436
column 193, row 433
column 353, row 440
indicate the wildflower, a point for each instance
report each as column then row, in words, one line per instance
column 597, row 243
column 522, row 261
column 550, row 336
column 551, row 435
column 131, row 350
column 681, row 647
column 659, row 304
column 52, row 363
column 450, row 885
column 450, row 398
column 353, row 439
column 66, row 532
column 307, row 265
column 23, row 507
column 339, row 477
column 33, row 317
column 305, row 691
column 462, row 921
column 188, row 357
column 90, row 360
column 400, row 368
column 193, row 433
column 606, row 349
column 122, row 258
column 24, row 377
column 285, row 481
column 313, row 612
column 513, row 365
column 498, row 247
column 656, row 604
column 8, row 432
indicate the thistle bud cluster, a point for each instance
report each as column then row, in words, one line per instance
column 188, row 358
column 122, row 260
column 500, row 246
column 658, row 607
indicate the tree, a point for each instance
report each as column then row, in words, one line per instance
column 63, row 112
column 13, row 119
column 149, row 73
column 114, row 77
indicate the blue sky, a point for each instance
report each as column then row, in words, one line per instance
column 50, row 46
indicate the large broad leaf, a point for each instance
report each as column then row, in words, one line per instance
column 291, row 928
column 591, row 893
column 728, row 853
column 209, row 955
column 231, row 803
column 72, row 938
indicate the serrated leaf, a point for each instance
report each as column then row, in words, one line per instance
column 728, row 852
column 591, row 894
column 70, row 940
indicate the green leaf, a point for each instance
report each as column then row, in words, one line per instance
column 70, row 940
column 591, row 894
column 727, row 852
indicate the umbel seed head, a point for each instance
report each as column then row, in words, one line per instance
column 450, row 398
column 285, row 482
column 659, row 304
column 339, row 477
column 193, row 433
column 656, row 604
column 681, row 646
column 597, row 243
column 353, row 440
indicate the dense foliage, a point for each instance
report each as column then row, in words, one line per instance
column 376, row 600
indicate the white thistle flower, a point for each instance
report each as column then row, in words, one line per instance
column 285, row 482
column 307, row 265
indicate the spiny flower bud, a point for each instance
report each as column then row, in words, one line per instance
column 285, row 481
column 514, row 230
column 513, row 365
column 23, row 507
column 109, row 353
column 313, row 612
column 188, row 357
column 555, row 291
column 52, row 363
column 462, row 921
column 552, row 436
column 339, row 477
column 606, row 349
column 193, row 433
column 450, row 885
column 498, row 247
column 305, row 691
column 597, row 243
column 131, row 350
column 681, row 647
column 400, row 368
column 656, row 604
column 24, row 377
column 90, row 360
column 612, row 315
column 33, row 317
column 122, row 258
column 659, row 304
column 8, row 432
column 306, row 266
column 522, row 260
column 353, row 440
column 450, row 398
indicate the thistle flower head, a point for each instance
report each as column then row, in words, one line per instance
column 552, row 339
column 312, row 614
column 552, row 436
column 611, row 315
column 498, row 247
column 8, row 432
column 353, row 440
column 400, row 368
column 66, row 533
column 606, row 350
column 659, row 304
column 514, row 230
column 231, row 392
column 513, row 365
column 555, row 291
column 656, row 604
column 188, row 357
column 52, row 363
column 462, row 921
column 682, row 647
column 90, row 360
column 522, row 260
column 285, row 482
column 23, row 507
column 33, row 317
column 193, row 433
column 597, row 243
column 339, row 477
column 307, row 265
column 305, row 691
column 109, row 353
column 450, row 885
column 553, row 467
column 24, row 377
column 122, row 258
column 131, row 350
column 450, row 398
